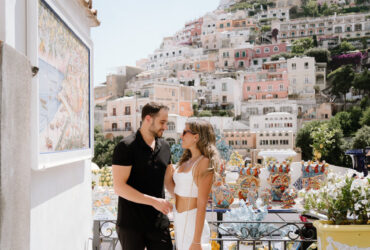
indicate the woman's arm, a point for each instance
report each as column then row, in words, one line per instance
column 203, row 179
column 168, row 180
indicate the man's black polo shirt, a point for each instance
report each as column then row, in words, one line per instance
column 147, row 176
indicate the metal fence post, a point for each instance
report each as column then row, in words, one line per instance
column 96, row 235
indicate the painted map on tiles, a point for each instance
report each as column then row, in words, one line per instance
column 64, row 85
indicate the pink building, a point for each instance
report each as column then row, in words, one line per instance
column 268, row 50
column 243, row 57
column 224, row 25
column 195, row 29
column 269, row 83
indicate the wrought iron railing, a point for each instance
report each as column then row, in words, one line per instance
column 301, row 234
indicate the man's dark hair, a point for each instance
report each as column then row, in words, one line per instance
column 152, row 109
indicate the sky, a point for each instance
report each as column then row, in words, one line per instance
column 132, row 29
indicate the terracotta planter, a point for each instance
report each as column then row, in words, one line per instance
column 331, row 236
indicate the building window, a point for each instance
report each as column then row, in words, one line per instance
column 127, row 110
column 306, row 65
column 114, row 126
column 269, row 87
column 306, row 80
column 221, row 25
column 358, row 27
column 266, row 50
column 237, row 54
column 258, row 88
column 226, row 63
column 171, row 126
column 248, row 88
column 294, row 66
column 171, row 141
column 241, row 64
column 224, row 98
column 258, row 51
column 224, row 86
column 281, row 87
column 173, row 92
column 114, row 112
column 276, row 49
column 127, row 126
column 255, row 62
column 228, row 24
column 243, row 54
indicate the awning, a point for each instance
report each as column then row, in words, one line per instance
column 355, row 152
column 279, row 154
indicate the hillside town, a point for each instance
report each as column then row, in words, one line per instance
column 257, row 70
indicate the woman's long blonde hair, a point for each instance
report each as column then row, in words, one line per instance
column 206, row 143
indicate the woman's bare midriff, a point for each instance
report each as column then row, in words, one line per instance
column 185, row 203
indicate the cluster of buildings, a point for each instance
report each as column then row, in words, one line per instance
column 221, row 62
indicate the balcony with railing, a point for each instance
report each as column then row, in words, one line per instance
column 295, row 232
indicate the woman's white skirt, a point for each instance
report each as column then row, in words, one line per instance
column 184, row 230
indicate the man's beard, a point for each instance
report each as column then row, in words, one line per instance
column 156, row 134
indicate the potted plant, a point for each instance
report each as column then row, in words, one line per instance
column 345, row 200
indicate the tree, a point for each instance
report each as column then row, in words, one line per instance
column 176, row 152
column 103, row 148
column 195, row 109
column 224, row 149
column 274, row 34
column 327, row 140
column 301, row 45
column 205, row 113
column 320, row 54
column 315, row 43
column 341, row 81
column 343, row 47
column 356, row 114
column 304, row 139
column 283, row 54
column 311, row 9
column 343, row 120
column 362, row 82
column 346, row 47
column 362, row 138
column 365, row 119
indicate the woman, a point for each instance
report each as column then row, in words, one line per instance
column 191, row 184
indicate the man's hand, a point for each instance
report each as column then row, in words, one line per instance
column 162, row 205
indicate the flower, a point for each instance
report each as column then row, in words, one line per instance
column 341, row 197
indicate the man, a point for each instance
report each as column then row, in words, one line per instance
column 139, row 165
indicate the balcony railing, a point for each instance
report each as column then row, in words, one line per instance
column 297, row 232
column 118, row 130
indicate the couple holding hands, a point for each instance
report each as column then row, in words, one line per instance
column 142, row 168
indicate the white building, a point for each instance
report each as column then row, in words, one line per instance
column 176, row 125
column 226, row 93
column 276, row 121
column 329, row 30
column 209, row 23
column 302, row 76
column 263, row 107
column 281, row 14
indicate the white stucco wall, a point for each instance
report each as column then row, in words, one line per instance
column 60, row 197
column 61, row 216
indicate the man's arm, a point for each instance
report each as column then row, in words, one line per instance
column 121, row 188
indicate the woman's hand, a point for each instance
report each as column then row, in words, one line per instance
column 195, row 246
